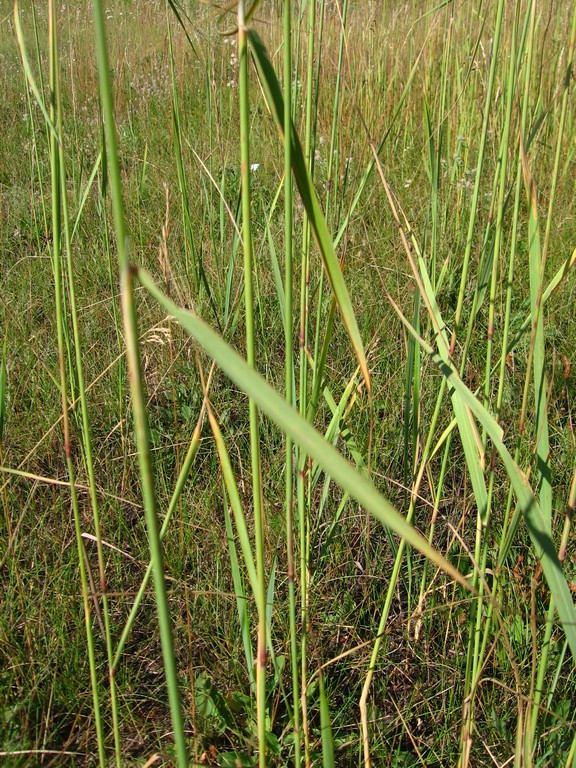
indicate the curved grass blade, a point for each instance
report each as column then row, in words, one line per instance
column 30, row 76
column 85, row 195
column 241, row 597
column 535, row 520
column 235, row 503
column 291, row 422
column 275, row 101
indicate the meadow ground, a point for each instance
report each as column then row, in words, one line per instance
column 435, row 172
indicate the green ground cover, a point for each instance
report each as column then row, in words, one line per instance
column 370, row 559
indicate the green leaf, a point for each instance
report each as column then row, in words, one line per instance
column 291, row 422
column 536, row 522
column 540, row 404
column 235, row 760
column 274, row 98
column 326, row 728
column 466, row 426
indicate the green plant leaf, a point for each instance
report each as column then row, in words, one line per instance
column 537, row 347
column 292, row 423
column 466, row 426
column 326, row 728
column 275, row 101
column 536, row 522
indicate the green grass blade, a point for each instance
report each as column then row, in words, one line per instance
column 326, row 728
column 30, row 76
column 290, row 421
column 310, row 201
column 241, row 599
column 537, row 349
column 536, row 522
column 85, row 195
column 235, row 503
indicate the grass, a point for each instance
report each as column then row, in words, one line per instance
column 286, row 395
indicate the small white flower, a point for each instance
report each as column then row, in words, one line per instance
column 254, row 166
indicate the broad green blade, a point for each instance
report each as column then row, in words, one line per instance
column 275, row 101
column 468, row 433
column 291, row 422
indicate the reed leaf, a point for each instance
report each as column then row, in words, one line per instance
column 305, row 185
column 291, row 422
column 536, row 522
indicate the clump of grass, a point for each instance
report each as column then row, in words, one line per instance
column 395, row 341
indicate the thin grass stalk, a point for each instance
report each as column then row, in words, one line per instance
column 411, row 402
column 289, row 372
column 511, row 525
column 86, row 429
column 318, row 41
column 436, row 505
column 478, row 177
column 330, row 172
column 137, row 389
column 39, row 179
column 189, row 245
column 251, row 359
column 320, row 356
column 116, row 315
column 325, row 726
column 302, row 485
column 527, row 40
column 176, row 496
column 442, row 123
column 543, row 658
column 507, row 314
column 240, row 593
column 391, row 591
column 481, row 549
column 55, row 169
